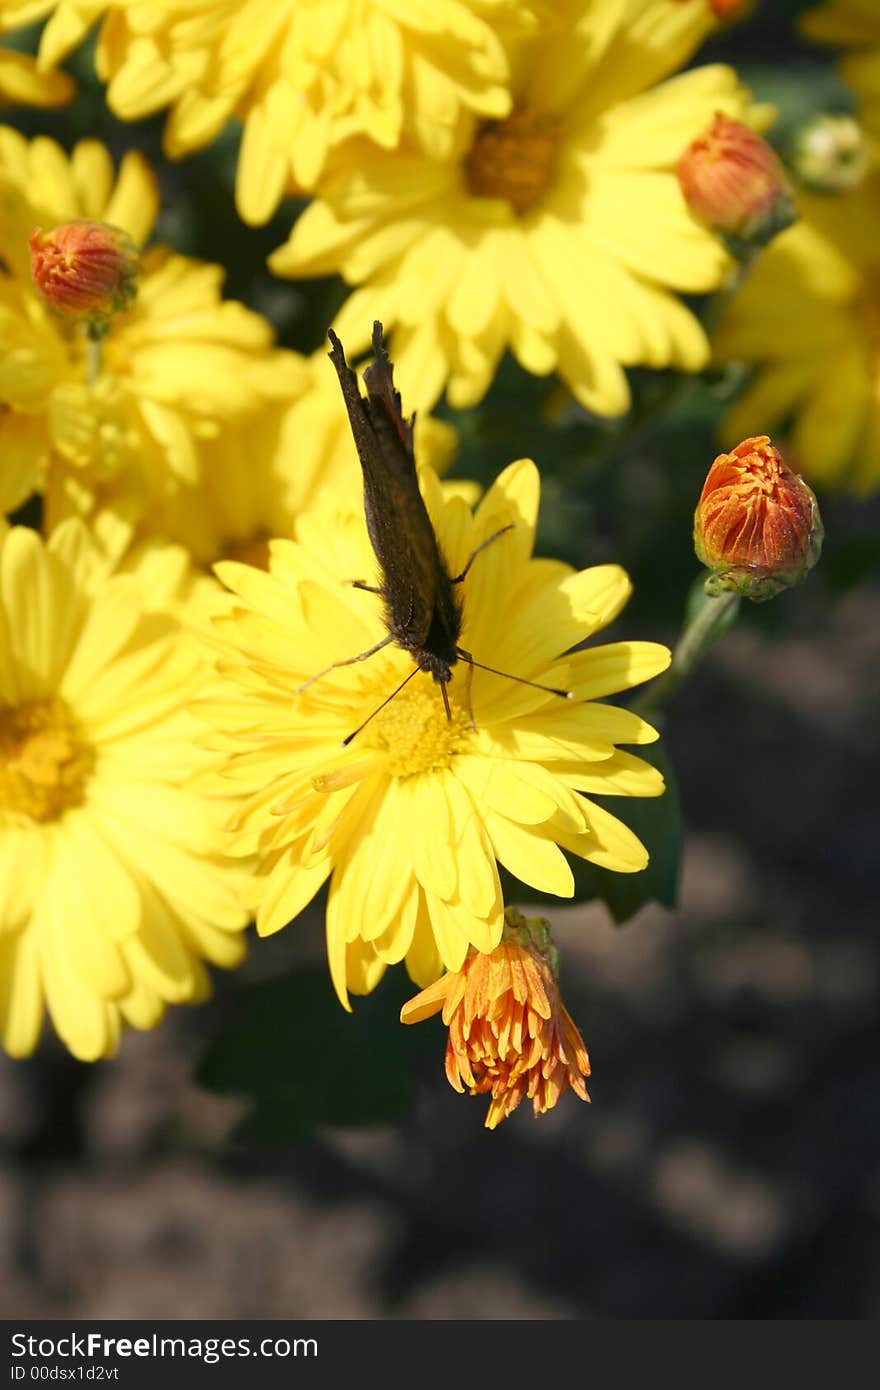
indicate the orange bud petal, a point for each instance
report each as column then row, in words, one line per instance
column 723, row 9
column 729, row 9
column 757, row 524
column 509, row 1032
column 732, row 179
column 84, row 269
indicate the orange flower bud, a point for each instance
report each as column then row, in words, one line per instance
column 732, row 179
column 725, row 9
column 85, row 270
column 509, row 1032
column 757, row 525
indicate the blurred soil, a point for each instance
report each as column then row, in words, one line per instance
column 728, row 1167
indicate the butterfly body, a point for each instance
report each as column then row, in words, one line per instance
column 423, row 613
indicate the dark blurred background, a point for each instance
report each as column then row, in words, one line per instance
column 729, row 1165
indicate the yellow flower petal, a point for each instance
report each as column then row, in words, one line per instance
column 531, row 858
column 411, row 816
column 21, row 993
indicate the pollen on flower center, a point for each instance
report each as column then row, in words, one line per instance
column 416, row 735
column 514, row 159
column 250, row 550
column 44, row 762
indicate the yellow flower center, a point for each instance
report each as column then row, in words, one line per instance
column 249, row 550
column 513, row 159
column 416, row 735
column 44, row 763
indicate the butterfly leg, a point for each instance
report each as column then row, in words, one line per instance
column 349, row 661
column 362, row 584
column 482, row 546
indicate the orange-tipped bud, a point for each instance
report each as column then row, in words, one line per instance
column 85, row 270
column 724, row 9
column 732, row 180
column 757, row 525
column 509, row 1032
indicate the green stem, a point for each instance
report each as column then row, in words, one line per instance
column 95, row 334
column 713, row 617
column 716, row 612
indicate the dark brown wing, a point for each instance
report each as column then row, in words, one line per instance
column 418, row 593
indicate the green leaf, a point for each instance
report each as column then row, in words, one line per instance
column 300, row 1060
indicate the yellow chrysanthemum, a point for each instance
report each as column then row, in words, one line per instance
column 560, row 233
column 409, row 819
column 853, row 24
column 808, row 318
column 177, row 366
column 21, row 83
column 260, row 477
column 303, row 75
column 113, row 884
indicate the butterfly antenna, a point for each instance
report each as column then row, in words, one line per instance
column 387, row 701
column 521, row 680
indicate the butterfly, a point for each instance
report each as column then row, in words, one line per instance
column 423, row 610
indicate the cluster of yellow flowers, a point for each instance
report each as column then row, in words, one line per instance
column 488, row 175
column 809, row 315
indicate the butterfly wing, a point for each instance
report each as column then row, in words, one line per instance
column 415, row 582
